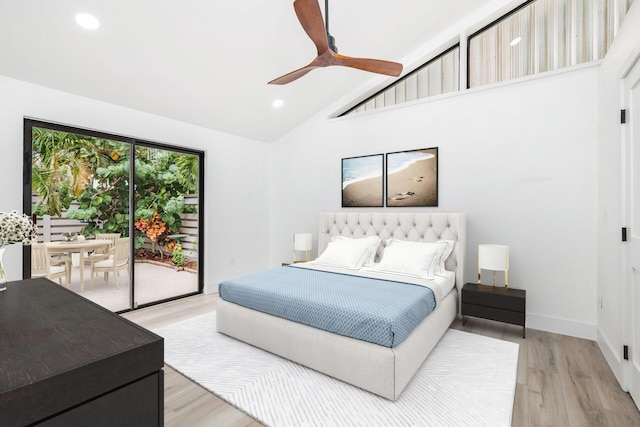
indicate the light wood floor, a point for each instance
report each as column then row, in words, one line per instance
column 562, row 381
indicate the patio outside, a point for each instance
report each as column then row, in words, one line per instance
column 81, row 191
column 153, row 283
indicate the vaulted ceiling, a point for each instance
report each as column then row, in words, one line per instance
column 207, row 62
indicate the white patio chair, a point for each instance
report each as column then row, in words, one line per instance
column 119, row 261
column 43, row 265
column 100, row 254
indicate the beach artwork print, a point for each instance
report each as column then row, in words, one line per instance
column 362, row 184
column 412, row 178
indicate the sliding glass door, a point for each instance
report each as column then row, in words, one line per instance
column 166, row 224
column 124, row 245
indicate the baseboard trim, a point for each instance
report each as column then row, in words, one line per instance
column 562, row 326
column 212, row 287
column 613, row 357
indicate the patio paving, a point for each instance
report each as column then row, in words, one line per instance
column 153, row 283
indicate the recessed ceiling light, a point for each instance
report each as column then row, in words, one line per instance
column 278, row 103
column 87, row 21
column 515, row 41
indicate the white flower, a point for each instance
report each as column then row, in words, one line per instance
column 16, row 228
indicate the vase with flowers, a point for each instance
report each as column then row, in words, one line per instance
column 14, row 228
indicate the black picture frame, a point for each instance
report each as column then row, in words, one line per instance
column 412, row 178
column 362, row 181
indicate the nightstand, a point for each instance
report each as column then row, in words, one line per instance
column 506, row 305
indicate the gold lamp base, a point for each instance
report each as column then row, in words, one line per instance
column 506, row 280
column 493, row 289
column 307, row 257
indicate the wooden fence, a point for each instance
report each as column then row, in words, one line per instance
column 50, row 228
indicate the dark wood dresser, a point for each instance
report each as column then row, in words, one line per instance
column 65, row 361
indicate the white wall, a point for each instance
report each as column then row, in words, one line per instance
column 519, row 159
column 236, row 210
column 623, row 52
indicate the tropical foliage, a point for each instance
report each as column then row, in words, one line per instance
column 95, row 173
column 165, row 177
column 62, row 166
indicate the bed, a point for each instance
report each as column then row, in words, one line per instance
column 376, row 368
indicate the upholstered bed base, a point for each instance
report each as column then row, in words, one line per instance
column 381, row 370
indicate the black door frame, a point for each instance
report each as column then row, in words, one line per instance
column 29, row 124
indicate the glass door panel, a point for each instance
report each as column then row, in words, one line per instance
column 80, row 198
column 166, row 224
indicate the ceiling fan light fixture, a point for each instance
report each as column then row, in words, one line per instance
column 87, row 21
column 278, row 103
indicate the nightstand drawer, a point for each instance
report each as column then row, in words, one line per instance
column 492, row 313
column 505, row 299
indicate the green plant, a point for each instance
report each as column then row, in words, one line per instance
column 165, row 185
column 105, row 204
column 62, row 166
column 177, row 256
column 95, row 172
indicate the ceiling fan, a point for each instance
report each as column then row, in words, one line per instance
column 310, row 18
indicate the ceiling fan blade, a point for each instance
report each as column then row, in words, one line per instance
column 373, row 65
column 294, row 75
column 310, row 17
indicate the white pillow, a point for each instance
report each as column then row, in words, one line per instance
column 445, row 254
column 347, row 253
column 373, row 247
column 443, row 250
column 412, row 260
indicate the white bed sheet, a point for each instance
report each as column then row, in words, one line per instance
column 441, row 285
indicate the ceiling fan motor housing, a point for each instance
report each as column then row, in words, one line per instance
column 332, row 43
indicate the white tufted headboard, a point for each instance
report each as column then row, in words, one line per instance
column 417, row 227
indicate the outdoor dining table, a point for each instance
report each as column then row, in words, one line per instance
column 80, row 247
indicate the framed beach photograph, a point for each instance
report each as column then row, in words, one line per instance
column 412, row 178
column 362, row 184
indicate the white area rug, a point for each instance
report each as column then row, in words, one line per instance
column 467, row 380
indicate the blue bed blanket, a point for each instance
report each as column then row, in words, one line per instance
column 379, row 311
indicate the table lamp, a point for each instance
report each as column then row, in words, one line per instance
column 302, row 242
column 496, row 258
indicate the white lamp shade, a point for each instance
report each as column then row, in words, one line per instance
column 493, row 257
column 302, row 242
